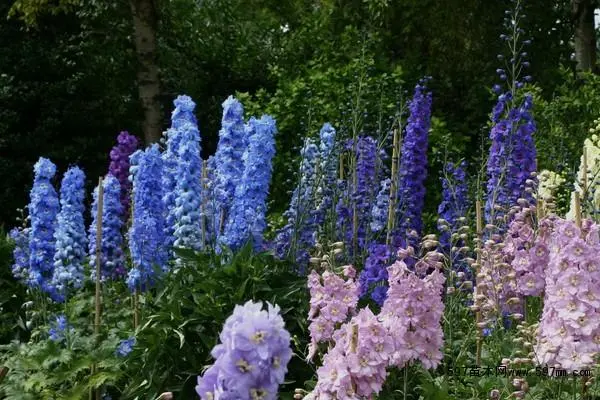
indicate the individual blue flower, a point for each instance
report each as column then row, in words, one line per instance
column 147, row 231
column 188, row 190
column 20, row 267
column 43, row 209
column 251, row 360
column 112, row 261
column 247, row 216
column 228, row 158
column 413, row 164
column 299, row 234
column 125, row 346
column 71, row 241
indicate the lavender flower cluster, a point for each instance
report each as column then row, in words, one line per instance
column 251, row 360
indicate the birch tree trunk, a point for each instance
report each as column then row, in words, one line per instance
column 582, row 12
column 148, row 81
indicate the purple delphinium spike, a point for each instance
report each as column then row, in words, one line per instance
column 413, row 164
column 247, row 217
column 119, row 166
column 43, row 209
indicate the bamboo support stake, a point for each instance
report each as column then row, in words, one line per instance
column 136, row 309
column 479, row 227
column 393, row 188
column 577, row 209
column 342, row 167
column 585, row 178
column 98, row 262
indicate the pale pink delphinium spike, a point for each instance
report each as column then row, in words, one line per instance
column 332, row 301
column 569, row 331
column 413, row 310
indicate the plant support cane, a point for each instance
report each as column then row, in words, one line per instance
column 479, row 227
column 98, row 262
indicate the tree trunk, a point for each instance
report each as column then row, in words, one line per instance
column 144, row 25
column 582, row 12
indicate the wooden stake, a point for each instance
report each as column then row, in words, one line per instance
column 585, row 178
column 479, row 227
column 342, row 166
column 136, row 309
column 393, row 188
column 98, row 263
column 577, row 209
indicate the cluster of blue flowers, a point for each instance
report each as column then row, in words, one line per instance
column 373, row 278
column 188, row 188
column 247, row 218
column 20, row 267
column 112, row 259
column 455, row 202
column 251, row 360
column 125, row 347
column 299, row 234
column 43, row 209
column 228, row 159
column 328, row 165
column 147, row 231
column 70, row 251
column 512, row 156
column 379, row 212
column 413, row 165
column 60, row 329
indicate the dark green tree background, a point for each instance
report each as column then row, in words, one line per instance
column 69, row 83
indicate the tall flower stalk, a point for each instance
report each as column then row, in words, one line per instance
column 247, row 216
column 112, row 262
column 228, row 158
column 147, row 232
column 512, row 156
column 70, row 235
column 43, row 210
column 119, row 166
column 413, row 165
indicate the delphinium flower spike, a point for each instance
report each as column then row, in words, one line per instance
column 228, row 158
column 119, row 166
column 20, row 267
column 188, row 189
column 298, row 235
column 413, row 165
column 112, row 262
column 147, row 233
column 512, row 156
column 328, row 167
column 246, row 219
column 43, row 209
column 251, row 360
column 183, row 114
column 71, row 240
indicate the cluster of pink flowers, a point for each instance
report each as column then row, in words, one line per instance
column 569, row 331
column 527, row 251
column 332, row 301
column 413, row 310
column 356, row 367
